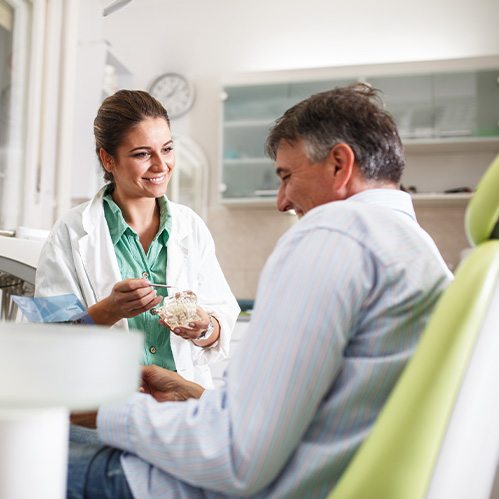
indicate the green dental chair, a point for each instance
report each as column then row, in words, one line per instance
column 438, row 435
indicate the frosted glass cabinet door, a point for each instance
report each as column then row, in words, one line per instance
column 245, row 139
column 455, row 97
column 254, row 102
column 438, row 112
column 410, row 100
column 487, row 85
column 249, row 113
column 249, row 178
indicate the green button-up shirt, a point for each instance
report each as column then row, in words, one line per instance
column 133, row 262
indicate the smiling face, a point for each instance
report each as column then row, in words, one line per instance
column 144, row 161
column 304, row 185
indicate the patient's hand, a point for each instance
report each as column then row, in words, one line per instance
column 165, row 385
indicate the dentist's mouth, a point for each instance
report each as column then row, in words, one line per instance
column 156, row 180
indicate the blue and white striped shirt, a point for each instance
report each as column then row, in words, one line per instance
column 340, row 306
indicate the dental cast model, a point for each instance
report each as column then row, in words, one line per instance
column 179, row 309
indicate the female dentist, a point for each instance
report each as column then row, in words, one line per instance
column 110, row 250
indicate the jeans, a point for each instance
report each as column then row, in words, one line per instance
column 94, row 469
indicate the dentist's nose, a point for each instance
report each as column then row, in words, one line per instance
column 159, row 163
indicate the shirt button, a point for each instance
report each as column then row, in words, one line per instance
column 145, row 275
column 152, row 349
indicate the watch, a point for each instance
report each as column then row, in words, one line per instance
column 175, row 92
column 207, row 333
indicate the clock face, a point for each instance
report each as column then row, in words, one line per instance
column 174, row 92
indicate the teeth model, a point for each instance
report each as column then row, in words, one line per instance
column 179, row 309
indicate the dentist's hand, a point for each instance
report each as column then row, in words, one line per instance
column 128, row 298
column 192, row 331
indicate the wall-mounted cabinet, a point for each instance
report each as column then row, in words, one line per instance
column 440, row 111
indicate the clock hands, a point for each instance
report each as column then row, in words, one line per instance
column 175, row 92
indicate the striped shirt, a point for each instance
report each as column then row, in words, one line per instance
column 339, row 309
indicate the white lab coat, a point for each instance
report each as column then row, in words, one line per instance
column 79, row 258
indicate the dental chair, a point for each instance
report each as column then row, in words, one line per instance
column 437, row 436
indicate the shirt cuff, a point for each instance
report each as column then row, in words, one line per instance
column 113, row 423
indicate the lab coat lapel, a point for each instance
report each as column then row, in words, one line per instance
column 97, row 251
column 178, row 251
column 177, row 257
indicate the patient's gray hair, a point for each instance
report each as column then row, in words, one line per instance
column 353, row 115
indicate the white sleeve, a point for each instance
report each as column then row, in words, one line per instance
column 56, row 273
column 216, row 298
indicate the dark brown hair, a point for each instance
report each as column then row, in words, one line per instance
column 353, row 115
column 118, row 114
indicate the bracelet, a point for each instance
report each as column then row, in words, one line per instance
column 207, row 333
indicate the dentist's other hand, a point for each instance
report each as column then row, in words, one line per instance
column 128, row 298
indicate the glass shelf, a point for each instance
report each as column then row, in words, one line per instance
column 246, row 161
column 247, row 123
column 452, row 145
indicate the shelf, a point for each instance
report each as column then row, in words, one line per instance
column 265, row 193
column 414, row 146
column 451, row 145
column 248, row 123
column 245, row 161
column 441, row 198
column 269, row 200
column 250, row 202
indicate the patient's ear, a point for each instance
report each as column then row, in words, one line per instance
column 342, row 160
column 106, row 159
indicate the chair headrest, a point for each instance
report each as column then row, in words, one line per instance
column 482, row 213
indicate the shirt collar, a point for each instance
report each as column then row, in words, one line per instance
column 118, row 226
column 116, row 222
column 165, row 220
column 394, row 199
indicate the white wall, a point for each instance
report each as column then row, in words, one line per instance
column 211, row 41
column 237, row 35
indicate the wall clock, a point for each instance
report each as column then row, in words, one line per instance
column 175, row 92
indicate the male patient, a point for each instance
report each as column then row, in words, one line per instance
column 341, row 304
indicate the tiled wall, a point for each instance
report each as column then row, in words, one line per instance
column 244, row 238
column 445, row 223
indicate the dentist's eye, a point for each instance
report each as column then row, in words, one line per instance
column 141, row 155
